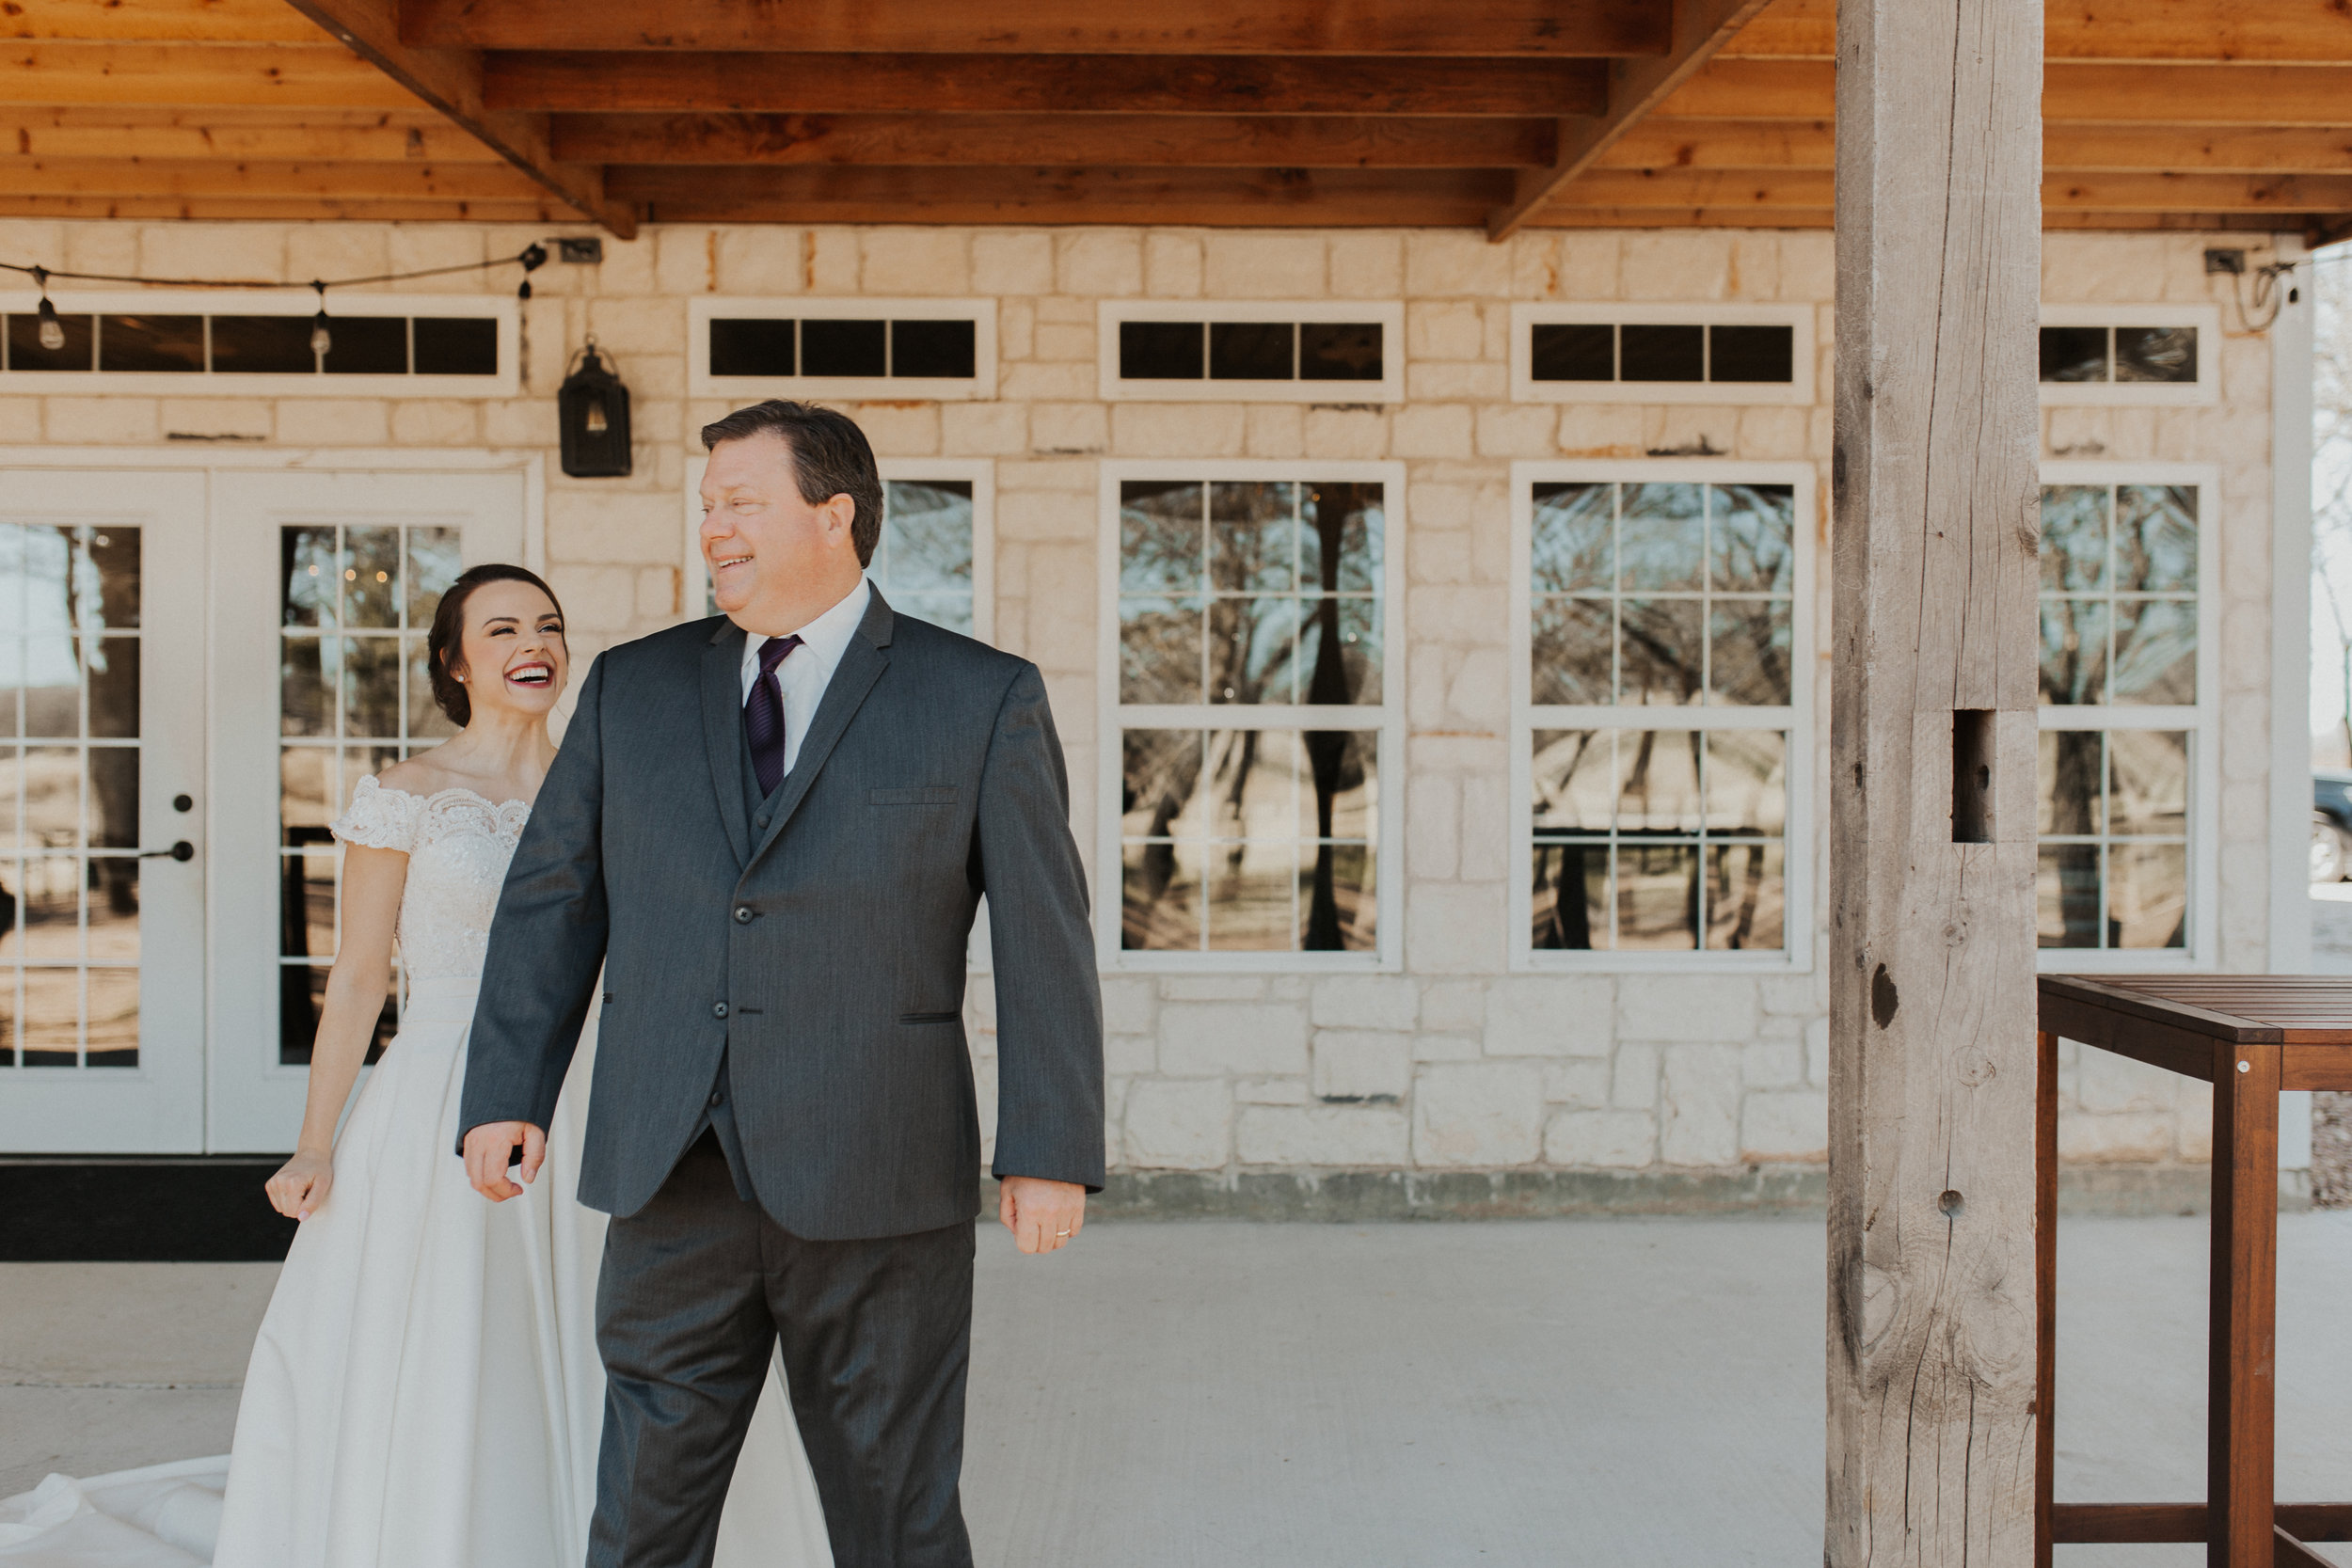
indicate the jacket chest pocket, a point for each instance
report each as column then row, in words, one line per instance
column 925, row 795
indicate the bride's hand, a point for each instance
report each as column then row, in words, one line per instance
column 301, row 1184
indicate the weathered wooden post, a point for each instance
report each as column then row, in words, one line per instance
column 1931, row 1322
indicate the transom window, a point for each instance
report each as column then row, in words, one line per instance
column 1249, row 619
column 2125, row 710
column 261, row 344
column 933, row 349
column 1661, row 352
column 2129, row 353
column 1299, row 352
column 1663, row 729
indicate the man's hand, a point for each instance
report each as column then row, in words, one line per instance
column 1043, row 1217
column 487, row 1149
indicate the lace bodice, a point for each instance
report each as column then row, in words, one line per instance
column 458, row 843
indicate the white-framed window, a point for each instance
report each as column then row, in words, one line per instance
column 933, row 350
column 1252, row 351
column 1252, row 715
column 936, row 560
column 2131, row 353
column 1661, row 714
column 1662, row 354
column 2128, row 775
column 261, row 342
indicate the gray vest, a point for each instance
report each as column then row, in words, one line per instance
column 719, row 1115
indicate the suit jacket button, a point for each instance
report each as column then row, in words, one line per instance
column 742, row 914
column 717, row 1009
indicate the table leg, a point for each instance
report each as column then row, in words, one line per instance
column 2240, row 1490
column 2044, row 1292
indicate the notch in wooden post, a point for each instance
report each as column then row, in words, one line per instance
column 1972, row 775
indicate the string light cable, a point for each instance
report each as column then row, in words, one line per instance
column 530, row 259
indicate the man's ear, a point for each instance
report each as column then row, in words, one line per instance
column 841, row 515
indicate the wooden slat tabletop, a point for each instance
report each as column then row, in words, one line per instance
column 2247, row 1009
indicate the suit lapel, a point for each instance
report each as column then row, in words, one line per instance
column 723, row 726
column 862, row 664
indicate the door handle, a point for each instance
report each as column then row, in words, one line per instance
column 181, row 852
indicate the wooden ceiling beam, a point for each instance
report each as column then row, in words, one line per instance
column 400, row 137
column 273, row 75
column 1762, row 190
column 2161, row 95
column 546, row 209
column 656, row 83
column 1320, row 198
column 186, row 21
column 1635, row 87
column 235, row 177
column 2237, row 32
column 450, row 81
column 1247, row 141
column 1555, row 29
column 1663, row 143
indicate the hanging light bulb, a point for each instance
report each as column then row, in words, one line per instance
column 322, row 340
column 52, row 329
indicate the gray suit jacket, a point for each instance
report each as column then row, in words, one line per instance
column 824, row 956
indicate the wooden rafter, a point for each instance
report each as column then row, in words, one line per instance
column 450, row 81
column 2234, row 32
column 690, row 81
column 1636, row 86
column 1254, row 141
column 2315, row 96
column 406, row 136
column 1554, row 28
column 1666, row 143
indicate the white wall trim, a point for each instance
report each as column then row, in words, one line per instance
column 1798, row 390
column 2290, row 371
column 1389, row 314
column 2207, row 389
column 1797, row 852
column 1388, row 718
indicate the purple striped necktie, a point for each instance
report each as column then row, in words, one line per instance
column 763, row 714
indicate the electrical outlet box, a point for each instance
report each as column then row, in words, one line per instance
column 588, row 251
column 2232, row 261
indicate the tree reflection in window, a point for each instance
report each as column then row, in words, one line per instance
column 1234, row 595
column 2119, row 594
column 2114, row 839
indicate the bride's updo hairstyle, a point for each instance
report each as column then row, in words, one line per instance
column 445, row 643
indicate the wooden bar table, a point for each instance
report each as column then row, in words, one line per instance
column 2250, row 1036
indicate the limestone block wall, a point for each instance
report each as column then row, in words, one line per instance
column 1456, row 1062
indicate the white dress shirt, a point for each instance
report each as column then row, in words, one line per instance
column 807, row 670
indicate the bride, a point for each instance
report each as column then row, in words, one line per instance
column 390, row 1418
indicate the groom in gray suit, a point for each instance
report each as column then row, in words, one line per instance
column 771, row 830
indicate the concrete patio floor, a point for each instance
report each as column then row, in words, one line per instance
column 1619, row 1393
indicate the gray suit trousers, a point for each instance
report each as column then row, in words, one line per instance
column 876, row 1337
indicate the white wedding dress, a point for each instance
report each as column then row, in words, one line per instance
column 424, row 1391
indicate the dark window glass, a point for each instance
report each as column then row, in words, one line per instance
column 263, row 345
column 843, row 348
column 25, row 353
column 1159, row 351
column 931, row 348
column 164, row 343
column 1252, row 350
column 1751, row 354
column 2073, row 354
column 457, row 345
column 367, row 345
column 2155, row 353
column 1338, row 351
column 1574, row 350
column 1661, row 352
column 751, row 348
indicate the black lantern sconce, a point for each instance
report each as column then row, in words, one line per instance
column 592, row 415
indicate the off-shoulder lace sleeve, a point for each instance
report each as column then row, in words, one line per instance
column 377, row 818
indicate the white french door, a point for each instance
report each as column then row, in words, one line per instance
column 323, row 587
column 102, row 845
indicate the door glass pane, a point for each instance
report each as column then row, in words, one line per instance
column 70, row 671
column 350, row 706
